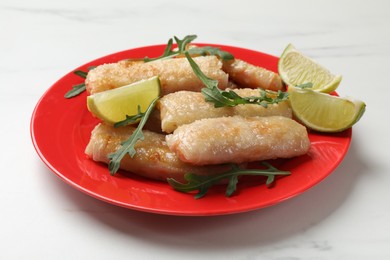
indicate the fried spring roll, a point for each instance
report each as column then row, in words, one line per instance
column 175, row 74
column 153, row 158
column 185, row 107
column 251, row 76
column 238, row 139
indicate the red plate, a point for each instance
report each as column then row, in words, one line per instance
column 60, row 131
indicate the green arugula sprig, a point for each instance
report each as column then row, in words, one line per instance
column 169, row 52
column 128, row 146
column 262, row 100
column 222, row 98
column 75, row 91
column 131, row 119
column 181, row 49
column 208, row 50
column 203, row 183
column 79, row 88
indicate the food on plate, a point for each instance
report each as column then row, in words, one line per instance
column 238, row 139
column 295, row 68
column 323, row 112
column 251, row 76
column 184, row 107
column 215, row 114
column 174, row 74
column 153, row 158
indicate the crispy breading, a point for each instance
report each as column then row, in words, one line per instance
column 238, row 139
column 250, row 76
column 153, row 158
column 175, row 74
column 184, row 107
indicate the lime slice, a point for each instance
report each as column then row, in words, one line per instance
column 295, row 69
column 113, row 105
column 323, row 112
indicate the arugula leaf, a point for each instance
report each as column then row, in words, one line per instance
column 222, row 98
column 75, row 91
column 214, row 95
column 79, row 88
column 168, row 52
column 263, row 100
column 81, row 73
column 182, row 44
column 127, row 147
column 182, row 49
column 203, row 183
column 210, row 83
column 232, row 185
column 130, row 119
column 208, row 50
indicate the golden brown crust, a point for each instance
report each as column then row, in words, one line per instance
column 175, row 74
column 251, row 76
column 185, row 107
column 238, row 139
column 153, row 158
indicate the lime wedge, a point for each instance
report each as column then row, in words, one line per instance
column 113, row 105
column 323, row 112
column 295, row 69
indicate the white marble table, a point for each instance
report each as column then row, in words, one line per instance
column 347, row 216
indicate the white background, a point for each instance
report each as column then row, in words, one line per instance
column 347, row 216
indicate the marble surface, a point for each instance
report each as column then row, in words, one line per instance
column 344, row 217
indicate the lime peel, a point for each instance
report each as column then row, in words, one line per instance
column 295, row 69
column 112, row 106
column 323, row 112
